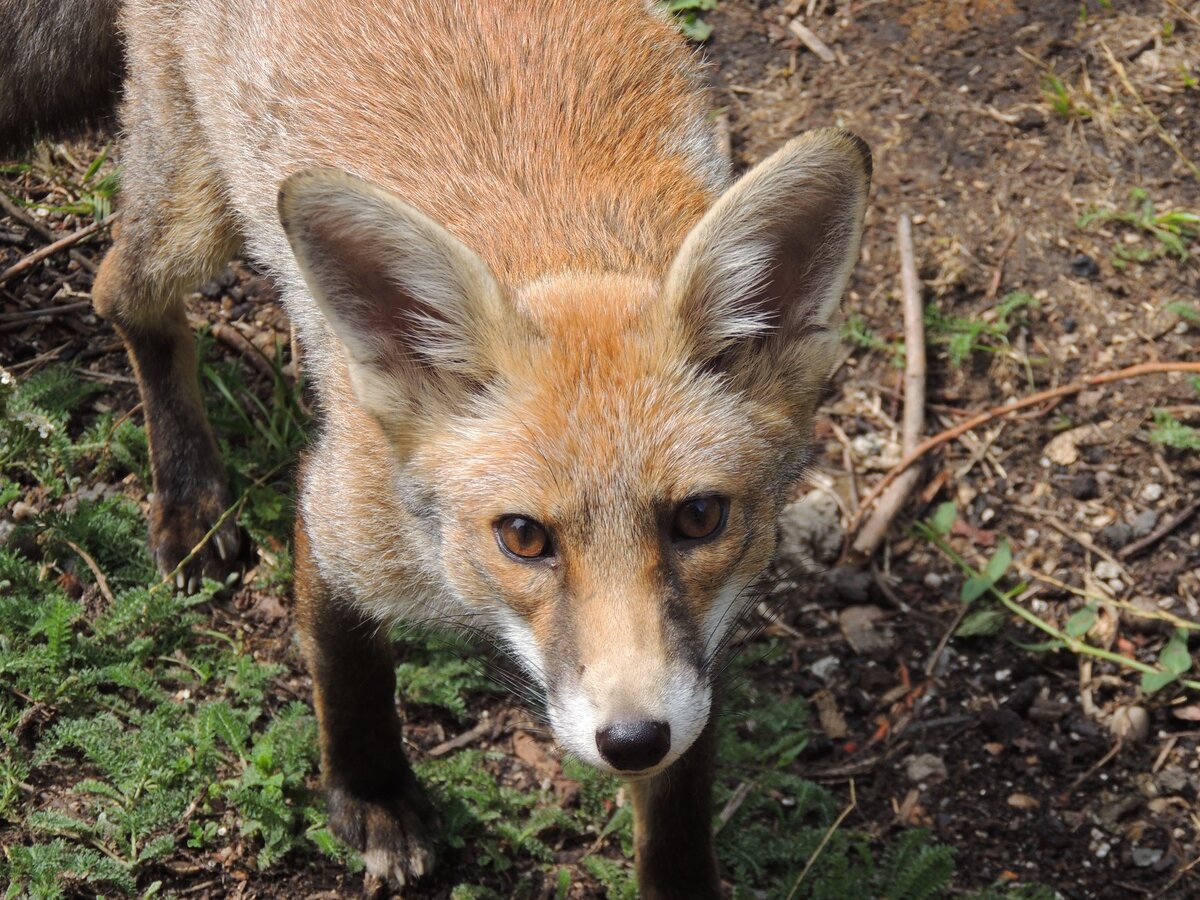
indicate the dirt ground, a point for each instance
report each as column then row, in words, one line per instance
column 997, row 125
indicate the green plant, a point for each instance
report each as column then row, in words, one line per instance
column 687, row 17
column 964, row 336
column 1186, row 311
column 1173, row 231
column 1061, row 99
column 857, row 332
column 1173, row 660
column 93, row 194
column 1170, row 432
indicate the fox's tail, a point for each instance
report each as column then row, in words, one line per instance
column 61, row 67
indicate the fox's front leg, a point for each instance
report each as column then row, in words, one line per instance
column 376, row 805
column 672, row 826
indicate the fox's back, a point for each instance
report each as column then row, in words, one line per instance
column 543, row 137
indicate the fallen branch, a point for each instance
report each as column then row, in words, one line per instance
column 235, row 340
column 28, row 262
column 868, row 539
column 46, row 312
column 1165, row 528
column 997, row 412
column 19, row 215
column 470, row 736
column 810, row 40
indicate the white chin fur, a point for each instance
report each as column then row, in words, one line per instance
column 683, row 700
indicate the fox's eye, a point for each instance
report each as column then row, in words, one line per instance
column 522, row 537
column 699, row 517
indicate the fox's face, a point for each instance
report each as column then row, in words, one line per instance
column 599, row 458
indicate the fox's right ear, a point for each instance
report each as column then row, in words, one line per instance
column 409, row 302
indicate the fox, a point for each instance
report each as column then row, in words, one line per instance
column 565, row 364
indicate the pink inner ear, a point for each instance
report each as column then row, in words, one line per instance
column 805, row 261
column 383, row 315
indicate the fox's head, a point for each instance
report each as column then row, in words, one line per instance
column 597, row 459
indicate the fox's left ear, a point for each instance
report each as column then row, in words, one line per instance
column 770, row 260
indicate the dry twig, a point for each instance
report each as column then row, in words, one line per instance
column 32, row 259
column 811, row 41
column 997, row 412
column 867, row 541
column 1165, row 527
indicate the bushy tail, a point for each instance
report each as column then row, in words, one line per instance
column 61, row 68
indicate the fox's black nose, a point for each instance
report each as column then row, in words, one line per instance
column 634, row 746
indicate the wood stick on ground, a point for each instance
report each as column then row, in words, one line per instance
column 996, row 412
column 19, row 215
column 869, row 537
column 28, row 262
column 470, row 736
column 1166, row 527
column 993, row 287
column 235, row 340
column 811, row 41
column 26, row 315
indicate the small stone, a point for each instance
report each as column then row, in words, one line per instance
column 1143, row 523
column 824, row 667
column 1144, row 857
column 1130, row 723
column 1084, row 266
column 1151, row 493
column 850, row 583
column 810, row 532
column 924, row 767
column 1116, row 535
column 1106, row 570
column 1083, row 486
column 1023, row 801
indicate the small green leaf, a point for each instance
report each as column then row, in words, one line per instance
column 694, row 28
column 1081, row 621
column 974, row 588
column 1175, row 657
column 981, row 623
column 943, row 517
column 1156, row 681
column 999, row 562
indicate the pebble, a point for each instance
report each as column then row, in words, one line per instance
column 850, row 583
column 1116, row 535
column 1144, row 857
column 924, row 767
column 1084, row 266
column 1132, row 723
column 1106, row 570
column 1144, row 522
column 1084, row 486
column 824, row 667
column 809, row 532
column 1151, row 493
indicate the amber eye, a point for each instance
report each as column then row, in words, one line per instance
column 522, row 537
column 699, row 517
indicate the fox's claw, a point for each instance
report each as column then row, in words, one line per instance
column 395, row 836
column 177, row 528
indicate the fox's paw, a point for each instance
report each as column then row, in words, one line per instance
column 178, row 528
column 394, row 835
